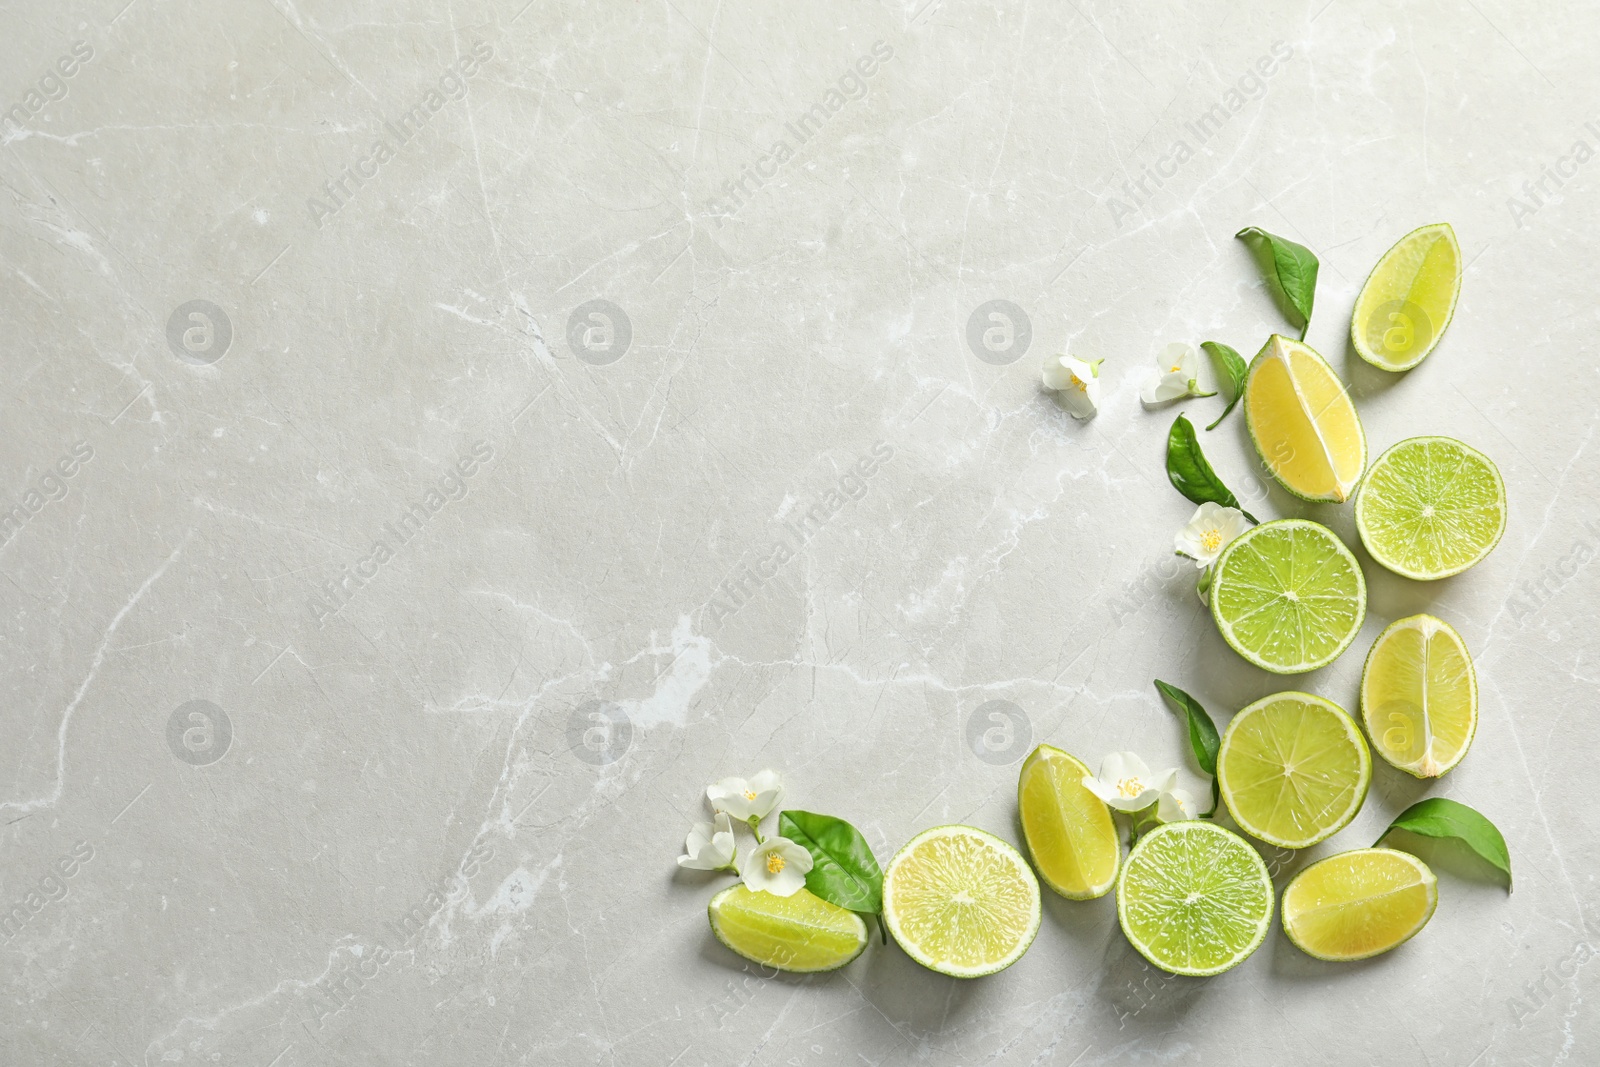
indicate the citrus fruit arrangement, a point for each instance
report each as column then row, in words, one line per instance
column 1193, row 896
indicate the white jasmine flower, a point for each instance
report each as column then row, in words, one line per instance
column 1209, row 532
column 1178, row 367
column 1176, row 804
column 1127, row 784
column 747, row 801
column 777, row 866
column 710, row 846
column 1077, row 382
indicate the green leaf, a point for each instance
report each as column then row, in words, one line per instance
column 1442, row 817
column 1203, row 737
column 1232, row 369
column 1290, row 270
column 1189, row 472
column 843, row 868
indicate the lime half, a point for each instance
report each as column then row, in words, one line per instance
column 1431, row 507
column 1408, row 299
column 1068, row 829
column 1194, row 898
column 1302, row 421
column 801, row 933
column 1288, row 596
column 1419, row 696
column 1358, row 904
column 961, row 901
column 1293, row 769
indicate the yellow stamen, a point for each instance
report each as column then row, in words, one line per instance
column 1212, row 540
column 749, row 794
column 1130, row 787
column 775, row 863
column 1079, row 384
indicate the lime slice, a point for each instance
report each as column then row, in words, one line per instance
column 1194, row 898
column 1358, row 904
column 1431, row 507
column 1419, row 696
column 1302, row 422
column 1293, row 769
column 1409, row 299
column 1068, row 829
column 961, row 901
column 801, row 933
column 1288, row 596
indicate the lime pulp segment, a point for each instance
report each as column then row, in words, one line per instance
column 1194, row 898
column 1358, row 904
column 1419, row 696
column 961, row 901
column 1288, row 596
column 1302, row 421
column 1408, row 299
column 801, row 933
column 1431, row 507
column 1293, row 769
column 1068, row 829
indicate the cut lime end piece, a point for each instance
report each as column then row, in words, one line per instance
column 1068, row 829
column 1302, row 421
column 961, row 901
column 1293, row 769
column 1408, row 299
column 1288, row 596
column 801, row 933
column 1419, row 696
column 1359, row 904
column 1194, row 898
column 1431, row 507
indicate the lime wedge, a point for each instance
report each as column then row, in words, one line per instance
column 1409, row 299
column 1293, row 769
column 1194, row 898
column 1431, row 507
column 1419, row 696
column 1302, row 422
column 961, row 901
column 1068, row 829
column 1288, row 596
column 801, row 933
column 1358, row 904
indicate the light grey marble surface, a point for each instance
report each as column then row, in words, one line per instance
column 391, row 832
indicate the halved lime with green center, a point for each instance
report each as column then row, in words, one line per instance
column 961, row 901
column 801, row 933
column 1194, row 898
column 1288, row 596
column 1419, row 696
column 1068, row 829
column 1359, row 904
column 1408, row 299
column 1293, row 769
column 1431, row 507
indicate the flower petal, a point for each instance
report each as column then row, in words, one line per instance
column 1180, row 358
column 1080, row 404
column 1169, row 386
column 1176, row 805
column 1119, row 765
column 1056, row 374
column 1098, row 788
column 766, row 780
